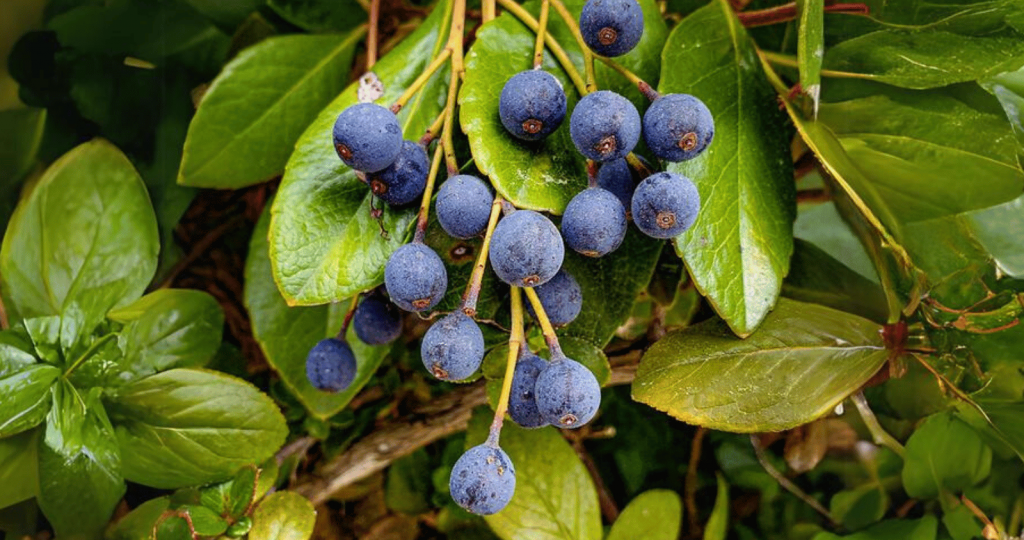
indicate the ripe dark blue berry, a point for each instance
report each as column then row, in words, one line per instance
column 616, row 177
column 377, row 321
column 561, row 297
column 453, row 347
column 415, row 277
column 604, row 126
column 403, row 181
column 665, row 205
column 612, row 27
column 526, row 249
column 330, row 365
column 367, row 137
column 568, row 394
column 678, row 127
column 594, row 222
column 532, row 105
column 464, row 206
column 522, row 403
column 483, row 480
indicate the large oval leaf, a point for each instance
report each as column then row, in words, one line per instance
column 542, row 175
column 255, row 110
column 555, row 498
column 652, row 515
column 738, row 250
column 186, row 426
column 85, row 240
column 801, row 363
column 324, row 246
column 25, row 397
column 286, row 334
column 284, row 515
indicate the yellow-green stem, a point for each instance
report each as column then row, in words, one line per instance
column 488, row 11
column 428, row 191
column 455, row 37
column 434, row 130
column 588, row 55
column 421, row 80
column 538, row 46
column 563, row 59
column 641, row 85
column 637, row 165
column 545, row 324
column 791, row 61
column 476, row 278
column 348, row 316
column 880, row 435
column 515, row 342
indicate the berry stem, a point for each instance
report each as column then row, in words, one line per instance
column 487, row 11
column 545, row 324
column 516, row 342
column 421, row 80
column 591, row 173
column 790, row 61
column 638, row 165
column 538, row 46
column 641, row 85
column 428, row 191
column 477, row 277
column 433, row 131
column 348, row 316
column 455, row 37
column 588, row 55
column 563, row 59
column 371, row 38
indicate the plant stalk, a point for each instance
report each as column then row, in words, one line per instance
column 476, row 279
column 550, row 337
column 556, row 49
column 515, row 344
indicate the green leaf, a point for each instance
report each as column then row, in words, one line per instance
column 816, row 277
column 320, row 15
column 80, row 478
column 995, row 229
column 286, row 334
column 821, row 225
column 84, row 241
column 920, row 60
column 811, row 48
column 589, row 355
column 926, row 528
column 16, row 352
column 168, row 328
column 185, row 426
column 283, row 516
column 555, row 498
column 324, row 245
column 25, row 397
column 1008, row 88
column 226, row 13
column 859, row 507
column 610, row 284
column 408, row 485
column 240, row 137
column 243, row 489
column 803, row 361
column 944, row 453
column 140, row 521
column 19, row 473
column 738, row 250
column 205, row 521
column 21, row 132
column 917, row 152
column 718, row 523
column 656, row 514
column 542, row 175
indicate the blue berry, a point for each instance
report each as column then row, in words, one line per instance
column 403, row 181
column 453, row 347
column 377, row 321
column 594, row 222
column 665, row 205
column 568, row 394
column 612, row 27
column 330, row 365
column 526, row 249
column 483, row 480
column 532, row 105
column 522, row 403
column 463, row 206
column 415, row 277
column 616, row 177
column 678, row 127
column 367, row 137
column 561, row 297
column 604, row 126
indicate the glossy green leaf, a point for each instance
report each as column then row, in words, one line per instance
column 926, row 528
column 917, row 153
column 205, row 521
column 140, row 521
column 816, row 277
column 25, row 397
column 286, row 334
column 998, row 230
column 542, row 175
column 240, row 136
column 859, row 507
column 718, row 524
column 243, row 490
column 85, row 240
column 738, row 250
column 283, row 516
column 19, row 473
column 185, row 427
column 804, row 360
column 555, row 498
column 610, row 284
column 811, row 48
column 320, row 15
column 168, row 328
column 324, row 245
column 1008, row 88
column 821, row 225
column 80, row 478
column 656, row 514
column 944, row 453
column 922, row 60
column 16, row 352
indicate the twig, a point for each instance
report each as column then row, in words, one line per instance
column 607, row 504
column 786, row 483
column 199, row 248
column 4, row 323
column 690, row 490
column 371, row 38
column 880, row 435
